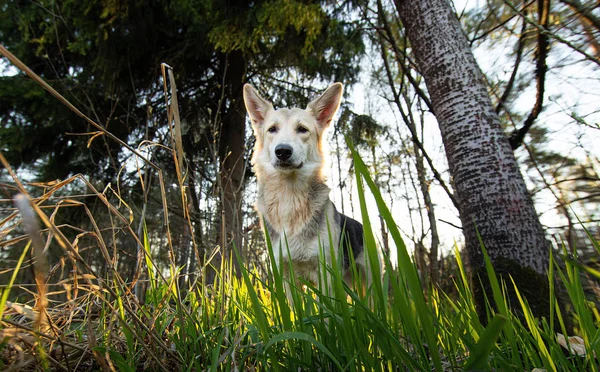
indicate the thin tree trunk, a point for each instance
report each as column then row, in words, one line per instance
column 493, row 200
column 417, row 147
column 435, row 239
column 424, row 188
column 384, row 235
column 231, row 155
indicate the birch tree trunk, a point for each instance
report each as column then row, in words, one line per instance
column 493, row 199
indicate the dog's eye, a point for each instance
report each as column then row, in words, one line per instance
column 302, row 130
column 273, row 129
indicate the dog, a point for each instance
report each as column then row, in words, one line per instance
column 289, row 161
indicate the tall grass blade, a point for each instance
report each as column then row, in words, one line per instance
column 405, row 265
column 6, row 291
column 535, row 331
column 494, row 283
column 303, row 337
column 149, row 263
column 261, row 319
column 478, row 358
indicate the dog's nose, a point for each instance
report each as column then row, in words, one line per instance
column 283, row 152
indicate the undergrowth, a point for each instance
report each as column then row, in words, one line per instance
column 248, row 323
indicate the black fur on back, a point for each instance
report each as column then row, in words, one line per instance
column 351, row 236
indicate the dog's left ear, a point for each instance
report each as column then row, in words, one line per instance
column 327, row 104
column 258, row 108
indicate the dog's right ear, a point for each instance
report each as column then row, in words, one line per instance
column 257, row 107
column 326, row 105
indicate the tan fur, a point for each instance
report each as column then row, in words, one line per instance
column 289, row 195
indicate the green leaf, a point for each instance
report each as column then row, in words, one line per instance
column 6, row 291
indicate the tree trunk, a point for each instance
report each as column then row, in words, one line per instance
column 493, row 199
column 382, row 226
column 231, row 156
column 435, row 238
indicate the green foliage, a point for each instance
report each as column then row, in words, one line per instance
column 479, row 353
column 363, row 130
column 262, row 29
column 105, row 58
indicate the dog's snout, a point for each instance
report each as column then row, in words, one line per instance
column 283, row 152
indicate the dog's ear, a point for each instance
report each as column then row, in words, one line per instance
column 257, row 107
column 327, row 104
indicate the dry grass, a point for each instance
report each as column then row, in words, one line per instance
column 56, row 322
column 67, row 331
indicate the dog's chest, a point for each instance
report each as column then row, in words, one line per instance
column 293, row 206
column 297, row 250
column 299, row 238
column 298, row 217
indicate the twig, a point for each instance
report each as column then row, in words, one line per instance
column 587, row 56
column 513, row 75
column 516, row 138
column 450, row 223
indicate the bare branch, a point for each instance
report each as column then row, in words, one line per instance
column 499, row 25
column 414, row 136
column 582, row 11
column 513, row 76
column 516, row 138
column 553, row 35
column 401, row 56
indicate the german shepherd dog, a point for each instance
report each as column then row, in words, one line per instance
column 293, row 200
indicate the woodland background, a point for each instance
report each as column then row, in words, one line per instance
column 541, row 66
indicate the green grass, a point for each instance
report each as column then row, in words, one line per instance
column 248, row 323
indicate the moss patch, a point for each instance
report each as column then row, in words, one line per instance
column 532, row 286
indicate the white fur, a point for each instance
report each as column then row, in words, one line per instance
column 291, row 194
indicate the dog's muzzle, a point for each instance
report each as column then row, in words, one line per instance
column 284, row 154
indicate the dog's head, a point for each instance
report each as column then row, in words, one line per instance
column 290, row 140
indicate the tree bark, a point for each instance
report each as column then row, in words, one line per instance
column 493, row 200
column 231, row 156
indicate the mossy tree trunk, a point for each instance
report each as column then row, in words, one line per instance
column 494, row 203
